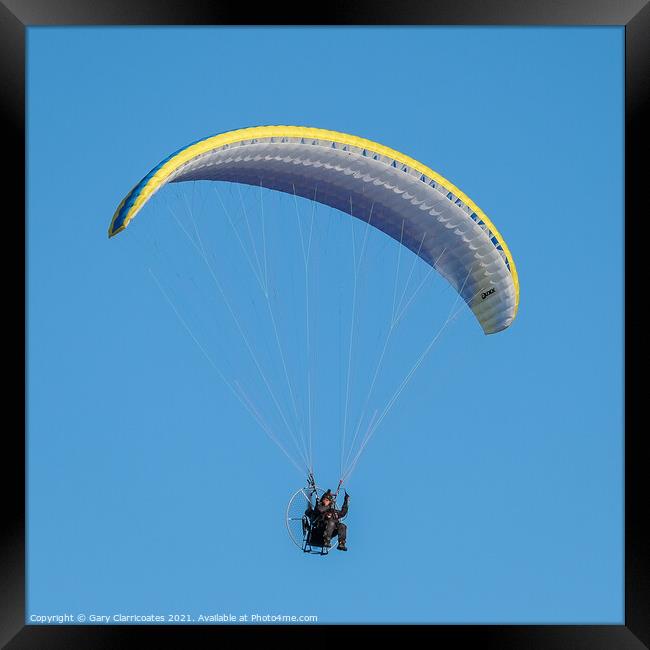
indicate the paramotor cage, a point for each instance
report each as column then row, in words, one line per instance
column 300, row 522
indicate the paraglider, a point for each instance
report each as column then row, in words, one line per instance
column 377, row 185
column 313, row 529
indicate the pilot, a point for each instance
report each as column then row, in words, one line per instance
column 327, row 517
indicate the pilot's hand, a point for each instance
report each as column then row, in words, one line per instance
column 347, row 496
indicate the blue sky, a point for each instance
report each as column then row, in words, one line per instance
column 500, row 469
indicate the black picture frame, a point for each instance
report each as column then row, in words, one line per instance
column 17, row 15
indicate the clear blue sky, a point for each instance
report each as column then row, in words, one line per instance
column 150, row 488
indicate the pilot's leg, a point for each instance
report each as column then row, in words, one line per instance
column 343, row 531
column 329, row 529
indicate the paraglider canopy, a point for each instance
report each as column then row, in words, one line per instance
column 391, row 191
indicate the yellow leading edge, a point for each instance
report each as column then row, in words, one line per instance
column 231, row 137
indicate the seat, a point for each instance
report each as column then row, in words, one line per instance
column 313, row 538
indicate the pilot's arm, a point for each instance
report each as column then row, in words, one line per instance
column 344, row 510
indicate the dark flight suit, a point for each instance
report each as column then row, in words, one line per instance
column 330, row 517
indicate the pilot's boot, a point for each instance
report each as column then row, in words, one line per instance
column 341, row 547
